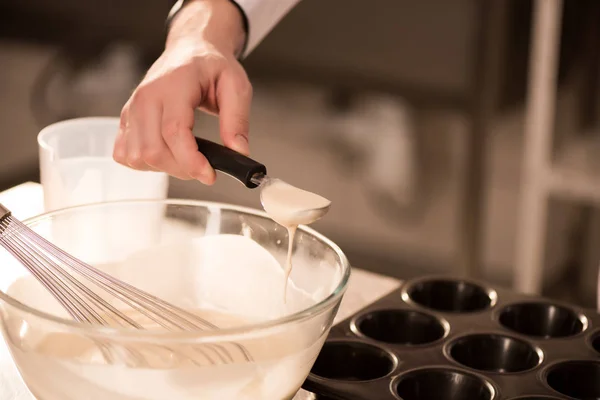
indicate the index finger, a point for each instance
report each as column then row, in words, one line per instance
column 234, row 98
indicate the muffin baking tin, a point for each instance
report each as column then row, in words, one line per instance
column 440, row 338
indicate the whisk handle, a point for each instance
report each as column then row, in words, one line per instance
column 231, row 162
column 4, row 212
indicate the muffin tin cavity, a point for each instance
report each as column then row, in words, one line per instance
column 494, row 353
column 352, row 361
column 404, row 327
column 576, row 379
column 450, row 296
column 442, row 384
column 542, row 320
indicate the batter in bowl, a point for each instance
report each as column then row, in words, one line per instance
column 228, row 288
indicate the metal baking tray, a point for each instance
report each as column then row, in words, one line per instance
column 439, row 338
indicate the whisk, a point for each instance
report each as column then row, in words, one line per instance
column 53, row 268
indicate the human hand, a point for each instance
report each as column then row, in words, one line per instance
column 198, row 69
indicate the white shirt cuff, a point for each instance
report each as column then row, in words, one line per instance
column 262, row 17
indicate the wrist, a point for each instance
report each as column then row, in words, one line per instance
column 219, row 23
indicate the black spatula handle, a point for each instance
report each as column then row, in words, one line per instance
column 231, row 162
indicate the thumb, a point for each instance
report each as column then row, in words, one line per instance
column 234, row 97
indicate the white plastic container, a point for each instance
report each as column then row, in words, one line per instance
column 77, row 167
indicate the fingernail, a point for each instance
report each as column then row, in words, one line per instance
column 241, row 145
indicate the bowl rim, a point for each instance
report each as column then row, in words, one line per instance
column 192, row 336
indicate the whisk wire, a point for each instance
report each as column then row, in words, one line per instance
column 183, row 319
column 45, row 262
column 40, row 274
column 55, row 277
column 115, row 287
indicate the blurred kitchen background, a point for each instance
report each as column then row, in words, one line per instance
column 410, row 115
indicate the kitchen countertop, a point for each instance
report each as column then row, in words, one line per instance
column 26, row 200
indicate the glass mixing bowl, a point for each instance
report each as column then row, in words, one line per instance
column 173, row 249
